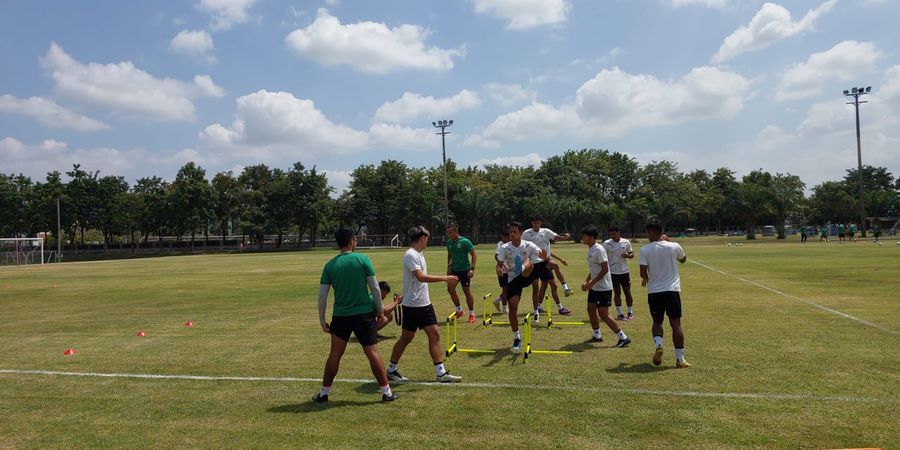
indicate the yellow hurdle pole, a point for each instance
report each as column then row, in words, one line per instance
column 548, row 309
column 486, row 318
column 527, row 350
column 450, row 343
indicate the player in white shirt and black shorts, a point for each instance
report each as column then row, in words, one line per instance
column 502, row 270
column 520, row 257
column 418, row 313
column 659, row 274
column 542, row 237
column 598, row 285
column 620, row 251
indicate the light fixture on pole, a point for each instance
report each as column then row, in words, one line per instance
column 443, row 124
column 856, row 93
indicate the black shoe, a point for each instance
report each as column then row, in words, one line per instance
column 593, row 340
column 389, row 398
column 320, row 398
column 623, row 342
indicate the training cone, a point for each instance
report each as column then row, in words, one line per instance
column 141, row 333
column 189, row 324
column 69, row 352
column 8, row 286
column 55, row 286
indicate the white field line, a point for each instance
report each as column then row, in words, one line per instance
column 530, row 387
column 808, row 302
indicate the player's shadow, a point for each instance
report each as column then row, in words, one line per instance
column 312, row 407
column 499, row 355
column 637, row 368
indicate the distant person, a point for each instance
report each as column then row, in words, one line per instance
column 389, row 309
column 659, row 274
column 619, row 251
column 520, row 257
column 802, row 235
column 502, row 270
column 876, row 231
column 459, row 249
column 418, row 313
column 852, row 232
column 823, row 233
column 542, row 237
column 599, row 286
column 840, row 233
column 355, row 312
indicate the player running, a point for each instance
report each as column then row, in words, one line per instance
column 542, row 237
column 418, row 313
column 520, row 257
column 659, row 274
column 458, row 251
column 620, row 251
column 598, row 285
column 502, row 270
column 355, row 311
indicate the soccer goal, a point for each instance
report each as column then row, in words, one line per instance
column 378, row 241
column 22, row 251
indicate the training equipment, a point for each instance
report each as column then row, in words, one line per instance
column 22, row 251
column 453, row 339
column 528, row 345
column 551, row 323
column 141, row 333
column 70, row 352
column 189, row 323
column 486, row 315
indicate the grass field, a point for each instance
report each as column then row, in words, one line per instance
column 812, row 362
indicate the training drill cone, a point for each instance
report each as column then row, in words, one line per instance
column 69, row 352
column 141, row 333
column 189, row 323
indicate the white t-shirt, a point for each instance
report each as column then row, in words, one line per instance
column 415, row 292
column 661, row 259
column 617, row 263
column 596, row 257
column 503, row 268
column 514, row 257
column 542, row 238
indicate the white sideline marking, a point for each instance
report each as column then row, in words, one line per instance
column 730, row 395
column 808, row 302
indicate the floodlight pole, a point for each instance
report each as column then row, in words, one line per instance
column 443, row 124
column 856, row 93
column 58, row 233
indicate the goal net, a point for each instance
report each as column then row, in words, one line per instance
column 21, row 251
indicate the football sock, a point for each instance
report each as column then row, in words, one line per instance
column 471, row 312
column 565, row 286
column 559, row 306
column 657, row 340
column 630, row 312
column 540, row 305
column 439, row 369
column 392, row 367
column 386, row 390
column 679, row 354
column 619, row 310
column 517, row 335
column 597, row 333
column 325, row 390
column 621, row 334
column 459, row 308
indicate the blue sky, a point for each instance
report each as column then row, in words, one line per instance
column 140, row 88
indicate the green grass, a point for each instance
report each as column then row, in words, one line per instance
column 815, row 379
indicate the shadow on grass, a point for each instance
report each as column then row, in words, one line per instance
column 498, row 356
column 311, row 406
column 638, row 368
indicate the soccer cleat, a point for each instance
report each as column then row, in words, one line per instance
column 536, row 318
column 447, row 378
column 471, row 318
column 593, row 340
column 504, row 309
column 620, row 317
column 623, row 342
column 320, row 398
column 682, row 364
column 459, row 313
column 497, row 304
column 565, row 311
column 657, row 356
column 396, row 377
column 568, row 292
column 541, row 309
column 630, row 316
column 517, row 345
column 389, row 398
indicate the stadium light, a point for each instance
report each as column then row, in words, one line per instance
column 443, row 124
column 856, row 93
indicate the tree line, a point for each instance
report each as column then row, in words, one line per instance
column 569, row 190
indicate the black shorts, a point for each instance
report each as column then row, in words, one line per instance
column 665, row 303
column 542, row 271
column 502, row 280
column 362, row 325
column 603, row 299
column 418, row 317
column 463, row 277
column 514, row 287
column 621, row 279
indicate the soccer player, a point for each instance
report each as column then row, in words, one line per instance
column 520, row 257
column 542, row 237
column 502, row 270
column 840, row 233
column 852, row 232
column 876, row 231
column 823, row 233
column 459, row 249
column 351, row 275
column 385, row 289
column 659, row 274
column 598, row 285
column 418, row 313
column 802, row 234
column 620, row 251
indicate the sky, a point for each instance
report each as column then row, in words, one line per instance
column 140, row 88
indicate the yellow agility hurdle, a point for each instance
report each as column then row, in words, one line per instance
column 550, row 322
column 528, row 347
column 453, row 339
column 486, row 314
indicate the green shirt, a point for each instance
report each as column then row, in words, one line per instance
column 347, row 274
column 853, row 228
column 840, row 229
column 459, row 253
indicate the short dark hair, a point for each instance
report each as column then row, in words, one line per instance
column 384, row 286
column 514, row 224
column 613, row 228
column 653, row 224
column 590, row 230
column 505, row 233
column 343, row 236
column 415, row 233
column 452, row 226
column 537, row 217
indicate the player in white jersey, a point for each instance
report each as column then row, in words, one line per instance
column 520, row 257
column 659, row 274
column 598, row 285
column 502, row 270
column 542, row 237
column 620, row 251
column 418, row 313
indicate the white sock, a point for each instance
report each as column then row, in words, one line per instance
column 325, row 390
column 392, row 367
column 386, row 390
column 657, row 340
column 517, row 335
column 621, row 334
column 471, row 312
column 629, row 311
column 619, row 310
column 459, row 308
column 439, row 369
column 597, row 333
column 565, row 286
column 540, row 306
column 679, row 354
column 559, row 306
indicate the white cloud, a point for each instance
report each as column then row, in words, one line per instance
column 507, row 95
column 889, row 91
column 535, row 121
column 531, row 159
column 845, row 61
column 771, row 24
column 196, row 44
column 369, row 47
column 339, row 180
column 707, row 3
column 123, row 88
column 398, row 137
column 226, row 13
column 525, row 14
column 36, row 160
column 49, row 113
column 413, row 106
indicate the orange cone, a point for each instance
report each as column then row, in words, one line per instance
column 55, row 286
column 189, row 324
column 141, row 333
column 8, row 286
column 69, row 352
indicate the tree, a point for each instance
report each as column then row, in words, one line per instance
column 787, row 197
column 754, row 199
column 153, row 202
column 81, row 190
column 191, row 200
column 254, row 180
column 226, row 192
column 107, row 207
